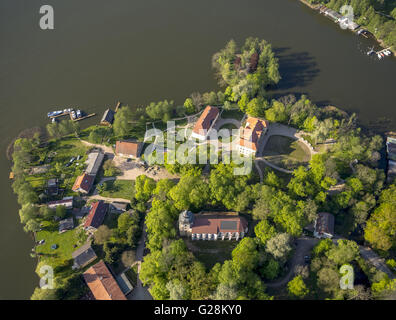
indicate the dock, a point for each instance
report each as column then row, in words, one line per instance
column 84, row 117
column 60, row 115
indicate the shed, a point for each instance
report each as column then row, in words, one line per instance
column 83, row 256
column 66, row 224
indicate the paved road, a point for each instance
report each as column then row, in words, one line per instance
column 304, row 247
column 140, row 292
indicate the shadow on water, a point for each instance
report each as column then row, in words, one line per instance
column 298, row 69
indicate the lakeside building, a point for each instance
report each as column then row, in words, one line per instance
column 324, row 225
column 108, row 118
column 83, row 183
column 67, row 202
column 212, row 226
column 251, row 135
column 96, row 215
column 351, row 25
column 129, row 149
column 102, row 283
column 94, row 162
column 83, row 256
column 205, row 123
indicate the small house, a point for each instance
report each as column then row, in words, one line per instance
column 96, row 215
column 52, row 187
column 67, row 202
column 83, row 256
column 94, row 162
column 108, row 118
column 66, row 224
column 83, row 183
column 130, row 149
column 324, row 225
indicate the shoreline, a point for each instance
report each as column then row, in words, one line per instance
column 379, row 41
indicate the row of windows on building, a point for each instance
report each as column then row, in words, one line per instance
column 220, row 235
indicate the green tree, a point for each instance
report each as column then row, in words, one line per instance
column 297, row 287
column 121, row 126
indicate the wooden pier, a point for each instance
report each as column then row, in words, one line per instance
column 82, row 118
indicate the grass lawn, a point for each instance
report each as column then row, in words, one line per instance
column 119, row 189
column 65, row 242
column 211, row 252
column 234, row 114
column 286, row 152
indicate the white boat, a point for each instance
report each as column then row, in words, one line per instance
column 78, row 113
column 54, row 113
column 73, row 115
column 379, row 56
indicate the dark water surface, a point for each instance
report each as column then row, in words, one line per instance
column 142, row 51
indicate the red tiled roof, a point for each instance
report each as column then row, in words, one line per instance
column 131, row 148
column 205, row 121
column 96, row 214
column 251, row 133
column 215, row 224
column 83, row 182
column 102, row 283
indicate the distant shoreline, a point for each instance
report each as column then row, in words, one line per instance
column 380, row 41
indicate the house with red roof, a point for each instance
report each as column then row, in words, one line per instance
column 212, row 226
column 102, row 283
column 83, row 183
column 205, row 123
column 96, row 215
column 250, row 135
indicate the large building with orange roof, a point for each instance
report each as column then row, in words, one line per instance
column 102, row 283
column 250, row 135
column 205, row 123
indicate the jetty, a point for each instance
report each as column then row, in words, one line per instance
column 83, row 117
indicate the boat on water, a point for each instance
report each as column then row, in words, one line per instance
column 54, row 113
column 73, row 115
column 370, row 52
column 379, row 56
column 78, row 113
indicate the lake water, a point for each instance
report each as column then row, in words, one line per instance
column 142, row 51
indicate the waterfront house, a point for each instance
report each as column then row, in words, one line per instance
column 83, row 256
column 66, row 224
column 212, row 226
column 67, row 202
column 251, row 134
column 324, row 225
column 96, row 215
column 129, row 149
column 102, row 283
column 83, row 183
column 205, row 123
column 108, row 118
column 94, row 162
